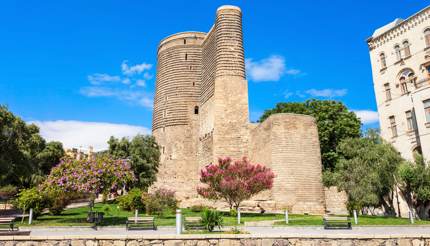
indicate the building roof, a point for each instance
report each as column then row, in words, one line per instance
column 394, row 24
column 387, row 27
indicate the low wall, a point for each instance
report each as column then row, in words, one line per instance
column 209, row 240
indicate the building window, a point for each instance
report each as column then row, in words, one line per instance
column 383, row 60
column 196, row 110
column 387, row 92
column 393, row 126
column 406, row 48
column 403, row 86
column 186, row 56
column 427, row 37
column 427, row 109
column 409, row 120
column 406, row 76
column 397, row 51
column 185, row 41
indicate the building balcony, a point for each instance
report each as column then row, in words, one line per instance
column 421, row 83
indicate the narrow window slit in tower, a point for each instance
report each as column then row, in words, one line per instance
column 186, row 56
column 194, row 83
column 196, row 110
column 185, row 41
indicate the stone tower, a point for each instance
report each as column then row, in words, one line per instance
column 201, row 113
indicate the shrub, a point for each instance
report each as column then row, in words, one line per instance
column 57, row 201
column 160, row 202
column 233, row 212
column 211, row 218
column 8, row 191
column 31, row 198
column 132, row 200
column 198, row 208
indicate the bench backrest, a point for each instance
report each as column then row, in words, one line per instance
column 141, row 218
column 193, row 219
column 336, row 218
column 7, row 219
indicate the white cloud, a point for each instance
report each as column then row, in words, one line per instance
column 75, row 134
column 293, row 71
column 126, row 81
column 367, row 116
column 141, row 82
column 288, row 94
column 128, row 95
column 99, row 78
column 268, row 69
column 135, row 69
column 330, row 93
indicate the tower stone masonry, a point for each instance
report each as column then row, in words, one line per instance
column 201, row 113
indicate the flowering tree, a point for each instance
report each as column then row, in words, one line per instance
column 235, row 181
column 101, row 175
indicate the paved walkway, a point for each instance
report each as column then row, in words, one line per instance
column 265, row 231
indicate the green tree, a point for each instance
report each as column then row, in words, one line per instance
column 366, row 170
column 20, row 148
column 143, row 153
column 415, row 185
column 335, row 123
column 50, row 156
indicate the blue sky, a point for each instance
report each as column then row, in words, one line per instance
column 84, row 69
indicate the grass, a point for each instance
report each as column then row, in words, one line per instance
column 117, row 216
column 363, row 220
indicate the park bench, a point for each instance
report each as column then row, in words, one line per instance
column 95, row 217
column 336, row 222
column 140, row 223
column 193, row 223
column 7, row 223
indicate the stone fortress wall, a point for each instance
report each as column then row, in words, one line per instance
column 201, row 113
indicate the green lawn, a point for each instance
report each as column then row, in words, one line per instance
column 116, row 216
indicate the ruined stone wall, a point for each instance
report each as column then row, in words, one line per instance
column 288, row 143
column 335, row 200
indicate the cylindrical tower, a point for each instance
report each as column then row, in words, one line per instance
column 175, row 115
column 229, row 42
column 230, row 104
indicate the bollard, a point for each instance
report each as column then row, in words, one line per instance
column 411, row 217
column 178, row 222
column 286, row 217
column 30, row 216
column 238, row 216
column 136, row 212
column 355, row 217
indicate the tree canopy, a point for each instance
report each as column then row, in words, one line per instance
column 143, row 154
column 335, row 123
column 235, row 181
column 415, row 185
column 366, row 170
column 25, row 157
column 101, row 175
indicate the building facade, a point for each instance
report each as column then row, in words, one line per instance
column 400, row 58
column 201, row 113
